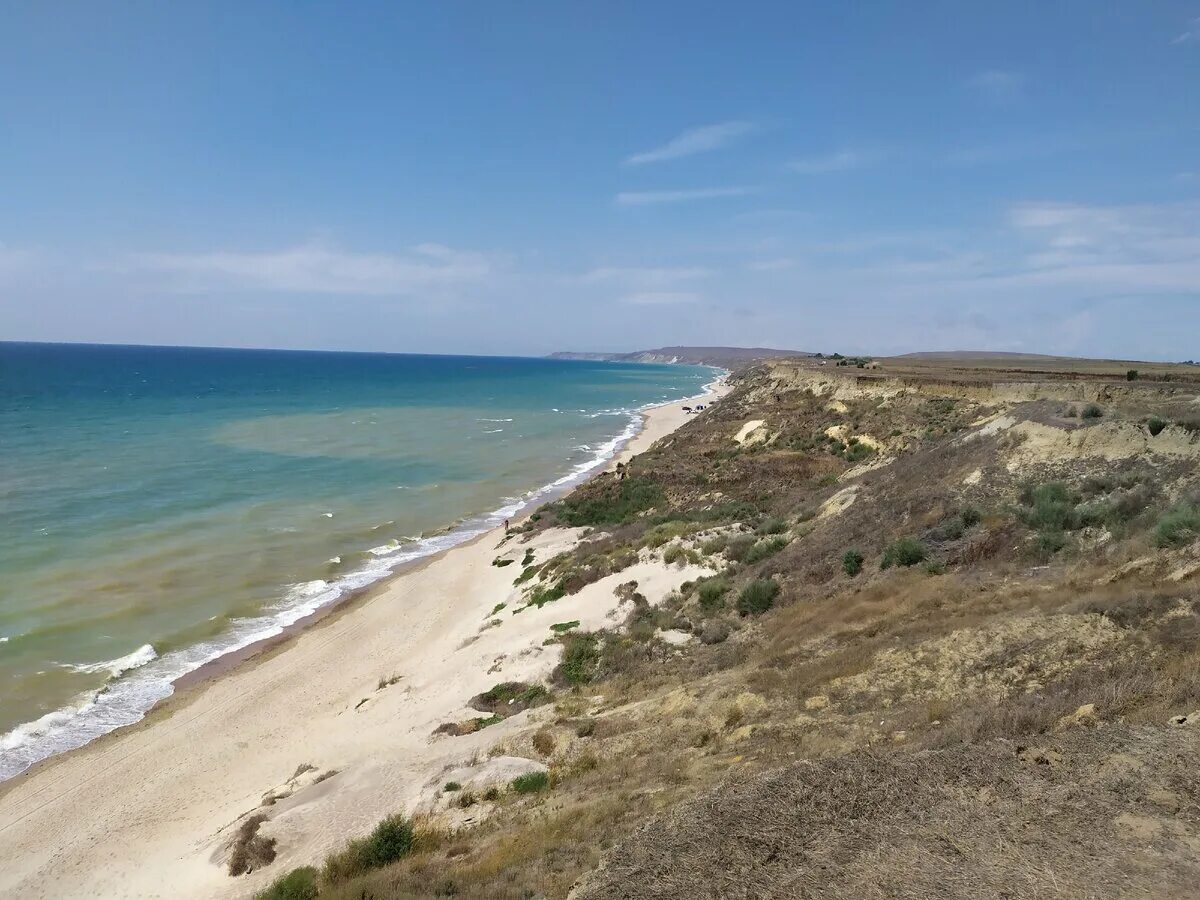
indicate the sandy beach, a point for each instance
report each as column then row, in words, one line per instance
column 149, row 811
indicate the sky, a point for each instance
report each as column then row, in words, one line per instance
column 518, row 178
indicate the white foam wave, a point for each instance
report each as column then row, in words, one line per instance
column 494, row 431
column 125, row 700
column 117, row 667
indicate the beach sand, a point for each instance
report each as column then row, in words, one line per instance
column 148, row 811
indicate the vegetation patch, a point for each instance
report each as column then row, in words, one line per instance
column 531, row 783
column 564, row 627
column 852, row 562
column 1178, row 527
column 250, row 849
column 391, row 840
column 616, row 502
column 298, row 884
column 904, row 552
column 757, row 597
column 581, row 658
column 509, row 698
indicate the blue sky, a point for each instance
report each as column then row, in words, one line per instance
column 520, row 177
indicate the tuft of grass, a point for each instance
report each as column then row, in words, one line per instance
column 452, row 786
column 766, row 547
column 673, row 554
column 711, row 593
column 1155, row 426
column 581, row 657
column 1091, row 411
column 1179, row 527
column 298, row 884
column 391, row 840
column 772, row 526
column 501, row 563
column 757, row 597
column 904, row 552
column 852, row 562
column 564, row 627
column 531, row 783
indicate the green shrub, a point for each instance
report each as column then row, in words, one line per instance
column 766, row 547
column 673, row 554
column 1131, row 375
column 1050, row 542
column 581, row 656
column 1050, row 507
column 619, row 502
column 1091, row 411
column 531, row 783
column 904, row 552
column 1178, row 527
column 452, row 786
column 738, row 547
column 391, row 840
column 527, row 560
column 715, row 545
column 711, row 593
column 501, row 563
column 852, row 562
column 298, row 884
column 757, row 597
column 1155, row 426
column 564, row 627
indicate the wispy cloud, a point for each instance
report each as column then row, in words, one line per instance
column 695, row 140
column 644, row 276
column 838, row 161
column 660, row 298
column 318, row 269
column 1189, row 35
column 997, row 85
column 649, row 198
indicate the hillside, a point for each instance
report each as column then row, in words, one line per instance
column 925, row 638
column 723, row 357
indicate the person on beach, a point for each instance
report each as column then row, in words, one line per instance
column 506, row 526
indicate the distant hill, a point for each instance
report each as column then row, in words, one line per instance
column 725, row 357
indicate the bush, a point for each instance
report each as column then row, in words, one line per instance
column 452, row 786
column 391, row 840
column 619, row 502
column 711, row 593
column 757, row 597
column 1091, row 411
column 531, row 783
column 715, row 544
column 1050, row 507
column 673, row 554
column 1155, row 426
column 1178, row 527
column 298, row 884
column 581, row 656
column 765, row 548
column 738, row 548
column 852, row 562
column 1131, row 375
column 904, row 552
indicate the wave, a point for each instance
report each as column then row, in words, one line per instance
column 117, row 667
column 133, row 690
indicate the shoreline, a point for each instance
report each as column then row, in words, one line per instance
column 459, row 534
column 51, row 787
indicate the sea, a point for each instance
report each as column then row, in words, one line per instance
column 161, row 507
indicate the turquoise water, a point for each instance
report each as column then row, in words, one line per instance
column 160, row 507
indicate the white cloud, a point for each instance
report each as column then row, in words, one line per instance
column 647, row 277
column 770, row 265
column 997, row 84
column 648, row 198
column 319, row 269
column 659, row 298
column 693, row 141
column 839, row 161
column 1190, row 35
